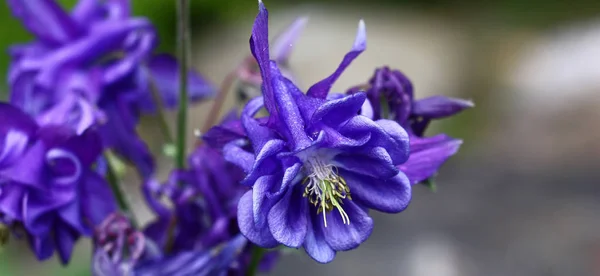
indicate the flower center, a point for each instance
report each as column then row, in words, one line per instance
column 325, row 188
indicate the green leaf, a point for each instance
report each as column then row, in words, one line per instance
column 118, row 165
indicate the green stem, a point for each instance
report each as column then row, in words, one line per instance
column 257, row 254
column 160, row 110
column 117, row 190
column 385, row 107
column 184, row 38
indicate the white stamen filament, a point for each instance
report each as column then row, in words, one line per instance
column 326, row 188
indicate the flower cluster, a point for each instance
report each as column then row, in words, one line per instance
column 304, row 175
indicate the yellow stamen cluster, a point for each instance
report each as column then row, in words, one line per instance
column 326, row 189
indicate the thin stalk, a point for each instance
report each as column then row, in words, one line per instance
column 257, row 254
column 160, row 110
column 215, row 109
column 183, row 43
column 385, row 107
column 117, row 190
column 219, row 100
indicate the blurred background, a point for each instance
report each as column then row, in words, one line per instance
column 522, row 197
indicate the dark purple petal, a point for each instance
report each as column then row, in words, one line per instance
column 163, row 71
column 306, row 105
column 321, row 88
column 266, row 192
column 108, row 36
column 11, row 200
column 46, row 19
column 395, row 131
column 386, row 195
column 30, row 168
column 265, row 163
column 16, row 132
column 330, row 138
column 119, row 133
column 343, row 237
column 289, row 121
column 97, row 200
column 218, row 136
column 261, row 204
column 335, row 112
column 232, row 152
column 375, row 162
column 288, row 218
column 87, row 146
column 230, row 128
column 259, row 46
column 26, row 94
column 72, row 111
column 64, row 168
column 258, row 235
column 258, row 134
column 390, row 136
column 283, row 43
column 428, row 155
column 71, row 215
column 399, row 92
column 436, row 107
column 65, row 239
column 157, row 230
column 141, row 39
column 39, row 210
column 315, row 244
column 213, row 261
column 42, row 246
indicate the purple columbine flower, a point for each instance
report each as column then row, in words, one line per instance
column 47, row 186
column 391, row 96
column 204, row 213
column 94, row 65
column 314, row 164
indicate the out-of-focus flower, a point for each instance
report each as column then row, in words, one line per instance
column 94, row 65
column 47, row 185
column 314, row 164
column 204, row 213
column 117, row 247
column 212, row 261
column 391, row 96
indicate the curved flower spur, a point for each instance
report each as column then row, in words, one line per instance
column 314, row 164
